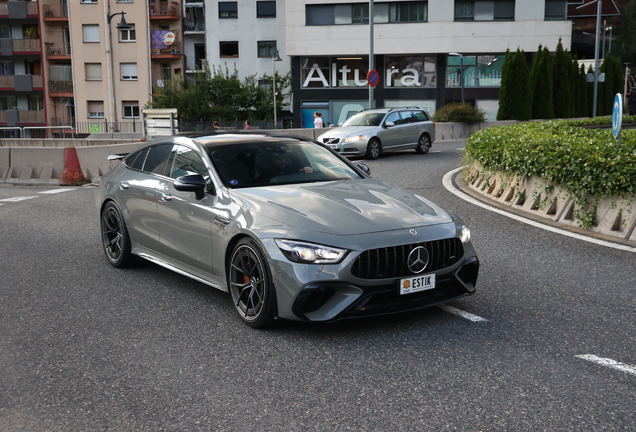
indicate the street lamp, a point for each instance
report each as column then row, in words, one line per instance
column 123, row 25
column 275, row 58
column 461, row 62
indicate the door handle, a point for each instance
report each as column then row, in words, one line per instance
column 166, row 196
column 124, row 185
column 222, row 220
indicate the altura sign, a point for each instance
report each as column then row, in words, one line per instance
column 320, row 77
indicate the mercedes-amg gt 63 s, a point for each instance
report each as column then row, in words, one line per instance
column 289, row 227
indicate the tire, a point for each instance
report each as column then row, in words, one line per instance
column 250, row 285
column 374, row 149
column 115, row 237
column 423, row 144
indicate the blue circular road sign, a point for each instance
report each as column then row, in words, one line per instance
column 617, row 116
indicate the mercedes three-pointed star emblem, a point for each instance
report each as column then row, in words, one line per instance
column 418, row 259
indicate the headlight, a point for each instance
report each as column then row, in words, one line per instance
column 354, row 138
column 310, row 253
column 465, row 234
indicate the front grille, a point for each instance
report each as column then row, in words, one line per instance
column 330, row 140
column 390, row 262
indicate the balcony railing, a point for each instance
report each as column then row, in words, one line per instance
column 25, row 117
column 60, row 86
column 161, row 50
column 55, row 10
column 59, row 48
column 164, row 9
column 26, row 45
column 7, row 81
column 32, row 8
column 38, row 82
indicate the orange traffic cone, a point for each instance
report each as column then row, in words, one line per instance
column 72, row 171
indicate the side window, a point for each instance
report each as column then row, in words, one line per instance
column 157, row 159
column 186, row 162
column 408, row 117
column 420, row 115
column 138, row 162
column 394, row 118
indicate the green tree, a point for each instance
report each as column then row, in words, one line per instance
column 603, row 105
column 626, row 33
column 506, row 91
column 522, row 105
column 561, row 83
column 541, row 86
column 574, row 72
column 590, row 92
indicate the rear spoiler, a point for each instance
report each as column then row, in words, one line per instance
column 119, row 156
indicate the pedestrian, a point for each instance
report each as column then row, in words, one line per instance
column 318, row 120
column 216, row 125
column 248, row 125
column 329, row 125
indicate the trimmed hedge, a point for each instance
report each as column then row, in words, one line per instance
column 584, row 161
column 456, row 112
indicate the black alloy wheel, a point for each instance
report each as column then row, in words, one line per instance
column 424, row 144
column 115, row 238
column 374, row 149
column 250, row 285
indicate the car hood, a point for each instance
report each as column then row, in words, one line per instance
column 343, row 207
column 343, row 132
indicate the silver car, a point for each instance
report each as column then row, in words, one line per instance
column 288, row 227
column 373, row 132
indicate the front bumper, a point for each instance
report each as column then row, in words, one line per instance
column 356, row 148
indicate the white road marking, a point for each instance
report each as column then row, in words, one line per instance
column 463, row 148
column 16, row 199
column 448, row 184
column 461, row 313
column 55, row 191
column 609, row 363
column 435, row 151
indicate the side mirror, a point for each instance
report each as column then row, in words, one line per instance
column 191, row 183
column 389, row 124
column 364, row 168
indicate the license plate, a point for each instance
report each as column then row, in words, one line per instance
column 416, row 284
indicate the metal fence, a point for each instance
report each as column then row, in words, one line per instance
column 236, row 124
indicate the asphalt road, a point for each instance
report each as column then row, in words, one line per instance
column 86, row 347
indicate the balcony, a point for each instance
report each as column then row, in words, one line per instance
column 58, row 50
column 55, row 12
column 163, row 10
column 32, row 8
column 21, row 83
column 162, row 51
column 22, row 117
column 194, row 65
column 194, row 21
column 60, row 88
column 24, row 46
column 19, row 10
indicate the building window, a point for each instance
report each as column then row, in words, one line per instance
column 320, row 15
column 360, row 13
column 124, row 1
column 265, row 9
column 556, row 10
column 229, row 49
column 95, row 109
column 266, row 49
column 36, row 103
column 416, row 11
column 128, row 71
column 410, row 71
column 8, row 103
column 128, row 35
column 93, row 71
column 91, row 33
column 131, row 109
column 479, row 71
column 484, row 10
column 89, row 1
column 6, row 67
column 228, row 10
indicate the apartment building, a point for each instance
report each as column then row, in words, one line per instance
column 423, row 51
column 21, row 79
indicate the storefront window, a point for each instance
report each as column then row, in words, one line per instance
column 410, row 71
column 479, row 71
column 315, row 72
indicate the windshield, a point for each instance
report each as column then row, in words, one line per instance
column 365, row 119
column 242, row 165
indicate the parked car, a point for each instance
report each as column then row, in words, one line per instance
column 288, row 227
column 373, row 132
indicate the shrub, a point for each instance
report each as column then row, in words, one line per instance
column 455, row 112
column 584, row 161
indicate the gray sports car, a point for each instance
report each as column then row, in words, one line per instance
column 288, row 226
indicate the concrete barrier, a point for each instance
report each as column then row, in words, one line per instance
column 94, row 159
column 615, row 216
column 5, row 163
column 35, row 165
column 60, row 142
